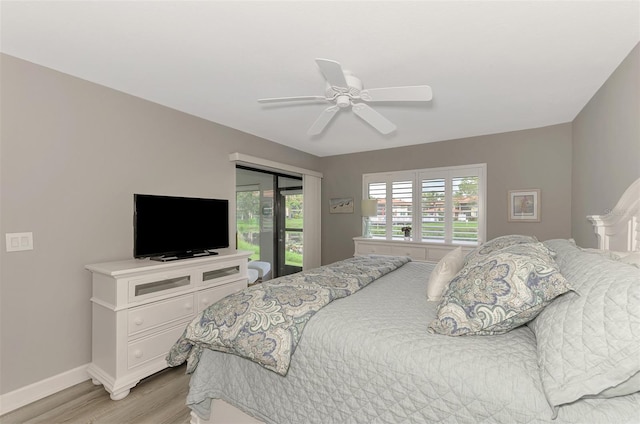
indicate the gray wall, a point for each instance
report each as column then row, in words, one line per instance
column 606, row 147
column 73, row 154
column 536, row 158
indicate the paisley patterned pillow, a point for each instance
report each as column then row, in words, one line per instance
column 504, row 290
column 497, row 243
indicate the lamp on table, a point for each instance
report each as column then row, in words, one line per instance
column 368, row 208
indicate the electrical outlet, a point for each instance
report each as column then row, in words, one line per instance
column 19, row 241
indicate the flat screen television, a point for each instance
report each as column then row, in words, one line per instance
column 168, row 227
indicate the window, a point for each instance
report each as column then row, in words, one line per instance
column 442, row 205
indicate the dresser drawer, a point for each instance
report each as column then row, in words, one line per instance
column 415, row 253
column 220, row 273
column 158, row 313
column 154, row 347
column 159, row 285
column 208, row 297
column 373, row 249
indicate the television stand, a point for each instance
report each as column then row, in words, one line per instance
column 140, row 308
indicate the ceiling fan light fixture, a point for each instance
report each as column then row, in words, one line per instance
column 343, row 101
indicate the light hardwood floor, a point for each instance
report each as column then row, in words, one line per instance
column 158, row 399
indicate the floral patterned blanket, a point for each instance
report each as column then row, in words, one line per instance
column 264, row 322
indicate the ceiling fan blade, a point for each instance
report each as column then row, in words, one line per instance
column 373, row 118
column 323, row 120
column 290, row 99
column 333, row 73
column 416, row 93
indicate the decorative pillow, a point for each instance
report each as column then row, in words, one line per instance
column 497, row 243
column 505, row 290
column 589, row 344
column 446, row 269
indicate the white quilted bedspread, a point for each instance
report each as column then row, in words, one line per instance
column 384, row 367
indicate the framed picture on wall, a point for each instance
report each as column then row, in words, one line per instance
column 341, row 205
column 524, row 205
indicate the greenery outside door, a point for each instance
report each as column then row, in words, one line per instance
column 290, row 230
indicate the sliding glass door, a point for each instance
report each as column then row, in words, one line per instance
column 269, row 218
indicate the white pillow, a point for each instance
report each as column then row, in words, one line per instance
column 443, row 273
column 587, row 343
column 633, row 258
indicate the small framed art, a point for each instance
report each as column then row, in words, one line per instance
column 524, row 205
column 341, row 205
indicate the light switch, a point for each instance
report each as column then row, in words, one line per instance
column 19, row 241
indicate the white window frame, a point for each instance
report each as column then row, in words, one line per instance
column 416, row 176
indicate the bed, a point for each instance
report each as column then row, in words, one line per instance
column 375, row 352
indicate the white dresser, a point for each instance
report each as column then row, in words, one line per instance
column 417, row 251
column 141, row 307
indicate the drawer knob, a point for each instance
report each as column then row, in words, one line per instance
column 138, row 321
column 188, row 306
column 137, row 353
column 205, row 301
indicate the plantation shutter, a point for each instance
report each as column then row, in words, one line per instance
column 402, row 210
column 378, row 224
column 465, row 209
column 441, row 205
column 433, row 209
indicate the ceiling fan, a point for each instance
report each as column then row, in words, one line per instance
column 344, row 90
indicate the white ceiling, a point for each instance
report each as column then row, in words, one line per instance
column 493, row 66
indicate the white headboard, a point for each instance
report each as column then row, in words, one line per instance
column 620, row 228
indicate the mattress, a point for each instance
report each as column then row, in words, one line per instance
column 368, row 358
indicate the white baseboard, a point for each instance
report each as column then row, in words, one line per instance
column 41, row 389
